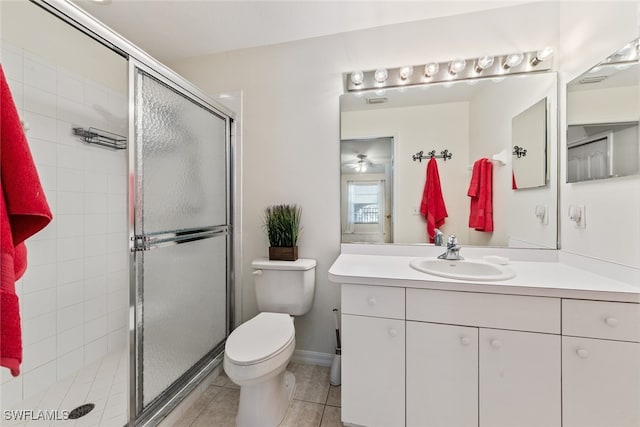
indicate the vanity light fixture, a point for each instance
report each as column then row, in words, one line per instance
column 406, row 72
column 486, row 66
column 512, row 60
column 430, row 69
column 542, row 55
column 483, row 63
column 381, row 75
column 456, row 66
column 357, row 77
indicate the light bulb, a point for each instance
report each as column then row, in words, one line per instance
column 381, row 75
column 357, row 77
column 431, row 68
column 542, row 55
column 513, row 60
column 483, row 63
column 456, row 66
column 406, row 72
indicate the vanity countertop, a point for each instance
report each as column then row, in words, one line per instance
column 552, row 279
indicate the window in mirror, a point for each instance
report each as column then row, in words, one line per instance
column 602, row 116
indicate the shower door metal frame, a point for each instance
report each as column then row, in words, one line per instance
column 172, row 396
column 88, row 25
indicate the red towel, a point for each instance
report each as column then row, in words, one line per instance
column 23, row 212
column 514, row 186
column 480, row 191
column 432, row 206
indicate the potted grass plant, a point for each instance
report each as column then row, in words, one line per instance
column 282, row 224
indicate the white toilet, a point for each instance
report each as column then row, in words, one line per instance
column 257, row 352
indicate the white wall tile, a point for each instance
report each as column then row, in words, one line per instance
column 117, row 261
column 38, row 328
column 17, row 94
column 116, row 203
column 70, row 317
column 70, row 271
column 72, row 112
column 117, row 223
column 70, row 180
column 70, row 248
column 117, row 242
column 95, row 160
column 117, row 339
column 95, row 224
column 118, row 167
column 95, row 287
column 118, row 319
column 94, row 309
column 69, row 363
column 70, row 225
column 64, row 134
column 70, row 203
column 39, row 101
column 39, row 277
column 95, row 329
column 39, row 379
column 49, row 180
column 39, row 73
column 70, row 339
column 95, row 182
column 42, row 151
column 95, row 245
column 118, row 280
column 95, row 203
column 39, row 353
column 11, row 58
column 49, row 232
column 38, row 303
column 70, row 294
column 70, row 86
column 71, row 156
column 95, row 350
column 41, row 127
column 95, row 266
column 41, row 252
column 117, row 187
column 11, row 392
column 118, row 299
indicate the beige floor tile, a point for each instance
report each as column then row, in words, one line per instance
column 303, row 414
column 312, row 382
column 331, row 417
column 192, row 413
column 334, row 397
column 221, row 411
column 223, row 381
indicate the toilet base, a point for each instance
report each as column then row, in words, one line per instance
column 265, row 404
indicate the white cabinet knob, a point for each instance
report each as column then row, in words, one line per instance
column 496, row 344
column 372, row 301
column 393, row 332
column 582, row 353
column 611, row 321
column 465, row 341
column 257, row 272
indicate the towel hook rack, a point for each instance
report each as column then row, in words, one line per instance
column 519, row 151
column 444, row 154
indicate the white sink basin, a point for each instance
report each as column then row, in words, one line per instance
column 463, row 269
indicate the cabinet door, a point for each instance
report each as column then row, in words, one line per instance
column 519, row 379
column 442, row 375
column 373, row 385
column 601, row 383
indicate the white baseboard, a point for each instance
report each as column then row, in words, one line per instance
column 312, row 357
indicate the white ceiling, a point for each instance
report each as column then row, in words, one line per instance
column 175, row 29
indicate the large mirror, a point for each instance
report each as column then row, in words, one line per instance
column 603, row 108
column 394, row 134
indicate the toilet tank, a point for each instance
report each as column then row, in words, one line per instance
column 284, row 286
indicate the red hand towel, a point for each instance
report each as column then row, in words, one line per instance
column 23, row 212
column 480, row 190
column 432, row 206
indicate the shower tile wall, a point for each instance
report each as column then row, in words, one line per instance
column 74, row 295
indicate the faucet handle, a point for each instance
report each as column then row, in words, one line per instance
column 452, row 240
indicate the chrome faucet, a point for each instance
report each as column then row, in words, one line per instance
column 438, row 238
column 453, row 249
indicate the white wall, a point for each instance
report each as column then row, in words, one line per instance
column 591, row 31
column 421, row 128
column 74, row 294
column 291, row 134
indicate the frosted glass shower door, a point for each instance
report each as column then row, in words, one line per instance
column 181, row 235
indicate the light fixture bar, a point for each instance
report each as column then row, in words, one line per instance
column 397, row 77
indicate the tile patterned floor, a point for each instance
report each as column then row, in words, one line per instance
column 315, row 402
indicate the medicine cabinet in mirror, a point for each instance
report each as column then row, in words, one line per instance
column 603, row 108
column 459, row 123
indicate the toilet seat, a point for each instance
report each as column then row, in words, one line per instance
column 260, row 338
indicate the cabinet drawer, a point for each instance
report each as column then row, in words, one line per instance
column 600, row 319
column 521, row 313
column 377, row 301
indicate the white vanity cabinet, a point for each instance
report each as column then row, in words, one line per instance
column 373, row 356
column 600, row 364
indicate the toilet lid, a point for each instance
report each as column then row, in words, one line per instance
column 260, row 338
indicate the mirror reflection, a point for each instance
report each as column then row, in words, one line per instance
column 602, row 117
column 465, row 125
column 529, row 151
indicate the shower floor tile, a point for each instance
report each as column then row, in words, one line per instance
column 315, row 403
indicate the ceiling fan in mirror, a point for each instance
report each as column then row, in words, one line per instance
column 361, row 164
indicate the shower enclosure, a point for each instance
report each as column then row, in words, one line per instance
column 169, row 213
